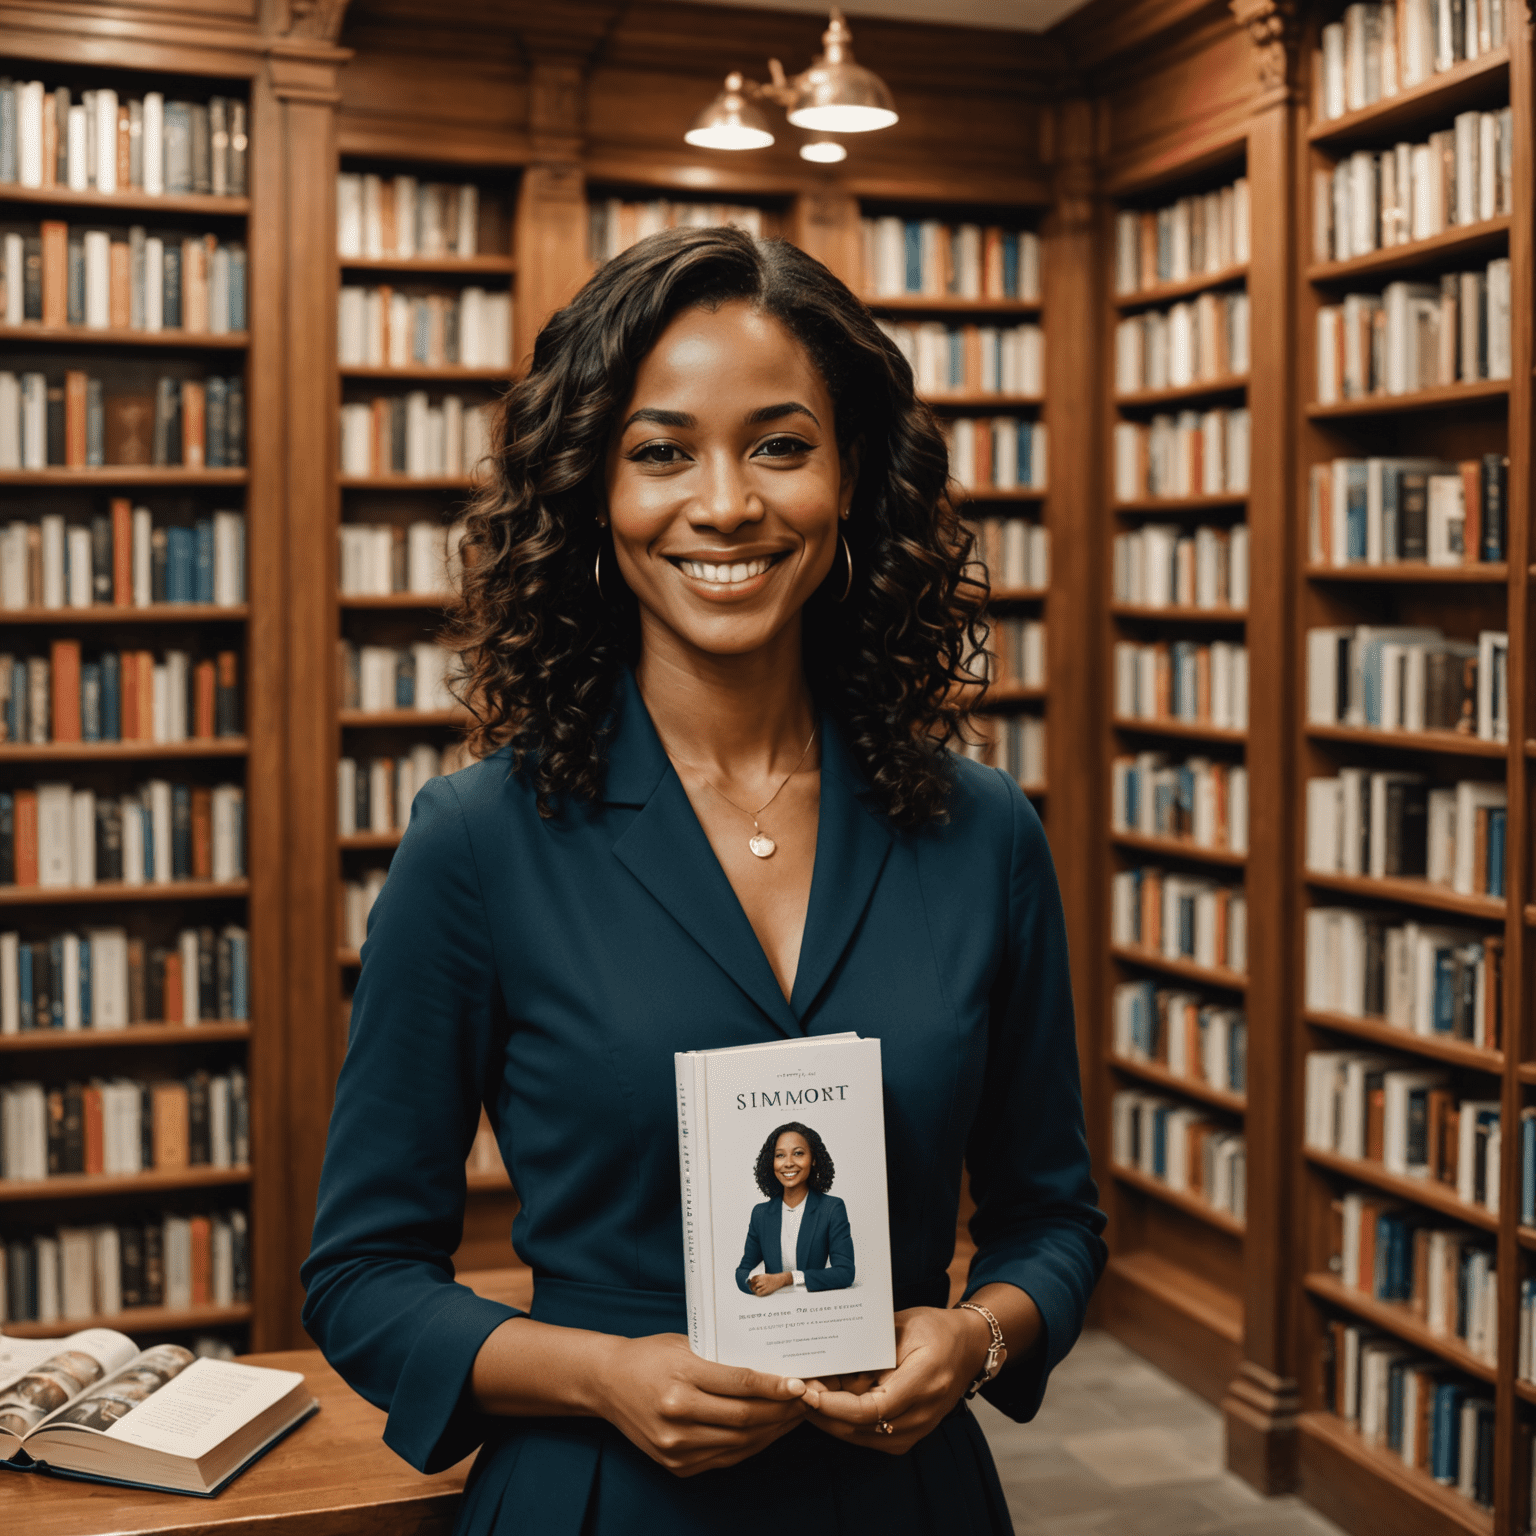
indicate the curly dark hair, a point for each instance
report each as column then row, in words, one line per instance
column 540, row 650
column 822, row 1169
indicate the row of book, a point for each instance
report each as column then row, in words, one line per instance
column 1015, row 551
column 1408, row 678
column 1197, row 236
column 357, row 899
column 414, row 436
column 58, row 837
column 1203, row 341
column 1375, row 200
column 1163, row 565
column 1415, row 1407
column 1017, row 654
column 1180, row 917
column 106, row 143
column 125, row 1125
column 938, row 260
column 1414, row 336
column 385, row 328
column 107, row 979
column 1429, row 979
column 1182, row 1031
column 1383, row 1109
column 385, row 677
column 1393, row 825
column 615, row 223
column 1444, row 1276
column 75, row 424
column 139, row 282
column 1193, row 453
column 1186, row 680
column 1015, row 743
column 123, row 559
column 73, row 1274
column 378, row 559
column 1379, row 51
column 971, row 359
column 1182, row 1147
column 374, row 794
column 1198, row 801
column 1383, row 511
column 996, row 453
column 119, row 696
column 401, row 216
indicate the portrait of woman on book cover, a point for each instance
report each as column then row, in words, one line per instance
column 799, row 1234
column 721, row 627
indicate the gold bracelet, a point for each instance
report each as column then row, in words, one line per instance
column 997, row 1351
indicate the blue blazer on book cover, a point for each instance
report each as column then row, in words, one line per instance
column 548, row 970
column 823, row 1250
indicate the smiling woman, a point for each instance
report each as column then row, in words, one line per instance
column 716, row 607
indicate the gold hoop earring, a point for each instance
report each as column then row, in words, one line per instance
column 848, row 556
column 597, row 573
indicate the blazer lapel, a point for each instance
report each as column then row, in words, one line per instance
column 804, row 1243
column 772, row 1242
column 853, row 840
column 666, row 850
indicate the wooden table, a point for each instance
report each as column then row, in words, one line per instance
column 333, row 1476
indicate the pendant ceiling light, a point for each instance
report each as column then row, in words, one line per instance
column 823, row 150
column 835, row 95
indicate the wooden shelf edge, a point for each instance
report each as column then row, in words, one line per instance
column 1179, row 614
column 402, row 600
column 1426, row 1192
column 1449, row 742
column 431, row 266
column 405, row 483
column 384, row 717
column 370, row 839
column 1414, row 573
column 125, row 475
column 948, row 304
column 1192, row 1295
column 424, row 373
column 1419, row 400
column 1168, row 293
column 121, row 751
column 1460, row 1053
column 127, row 201
column 135, row 1035
column 1191, row 1205
column 117, row 336
column 76, row 1186
column 111, row 613
column 1178, row 848
column 1194, row 730
column 1155, row 1073
column 1393, row 258
column 1415, row 100
column 1410, row 892
column 1137, row 399
column 1396, row 1318
column 139, row 1320
column 1176, row 504
column 1231, row 981
column 116, row 890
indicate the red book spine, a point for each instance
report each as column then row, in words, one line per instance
column 66, row 690
column 122, row 551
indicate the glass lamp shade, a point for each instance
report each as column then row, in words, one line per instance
column 730, row 121
column 823, row 151
column 835, row 95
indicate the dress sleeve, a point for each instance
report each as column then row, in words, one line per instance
column 428, row 1028
column 839, row 1271
column 1037, row 1220
column 751, row 1257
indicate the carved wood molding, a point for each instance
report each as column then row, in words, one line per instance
column 1274, row 28
column 317, row 19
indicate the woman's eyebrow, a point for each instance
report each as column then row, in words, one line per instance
column 774, row 412
column 660, row 418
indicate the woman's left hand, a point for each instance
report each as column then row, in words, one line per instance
column 766, row 1285
column 939, row 1353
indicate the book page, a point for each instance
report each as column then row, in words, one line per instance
column 206, row 1404
column 119, row 1395
column 68, row 1368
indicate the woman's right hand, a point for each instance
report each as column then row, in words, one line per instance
column 691, row 1415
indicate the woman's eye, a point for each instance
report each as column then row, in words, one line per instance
column 658, row 453
column 783, row 447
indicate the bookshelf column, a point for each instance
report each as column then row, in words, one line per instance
column 1074, row 678
column 1261, row 1403
column 302, row 82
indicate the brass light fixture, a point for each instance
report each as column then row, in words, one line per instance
column 835, row 95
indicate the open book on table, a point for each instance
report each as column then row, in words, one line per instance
column 95, row 1406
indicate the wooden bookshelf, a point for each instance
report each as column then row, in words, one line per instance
column 1177, row 848
column 107, row 477
column 1181, row 394
column 1442, row 397
column 140, row 1322
column 119, row 891
column 1441, row 743
column 1171, row 293
column 121, row 751
column 1469, row 241
column 34, row 332
column 1191, row 1087
column 1190, row 1205
column 1492, row 573
column 111, row 613
column 135, row 1035
column 1459, row 1053
column 1410, row 893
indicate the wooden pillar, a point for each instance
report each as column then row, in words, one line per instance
column 550, row 235
column 825, row 224
column 1077, row 810
column 1261, row 1403
column 300, row 95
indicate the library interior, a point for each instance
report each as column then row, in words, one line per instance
column 1224, row 311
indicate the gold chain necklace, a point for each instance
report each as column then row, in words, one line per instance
column 760, row 843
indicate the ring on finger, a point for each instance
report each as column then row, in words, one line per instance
column 884, row 1427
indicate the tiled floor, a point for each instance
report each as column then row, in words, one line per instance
column 1119, row 1449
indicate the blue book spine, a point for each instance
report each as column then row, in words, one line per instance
column 1395, row 1374
column 1528, row 1171
column 16, row 705
column 178, row 576
column 84, row 948
column 147, row 836
column 1497, row 819
column 1187, row 926
column 95, row 424
column 111, row 697
column 1355, row 510
column 955, row 349
column 237, row 303
column 240, row 976
column 56, row 964
column 203, row 579
column 1160, row 1142
column 913, row 232
column 1379, row 1282
column 1010, row 264
column 24, row 985
column 76, row 275
column 1237, row 1057
column 1445, row 992
column 90, row 701
column 8, row 167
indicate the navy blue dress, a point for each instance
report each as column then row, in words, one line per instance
column 549, row 970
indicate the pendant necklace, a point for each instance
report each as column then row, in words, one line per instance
column 760, row 843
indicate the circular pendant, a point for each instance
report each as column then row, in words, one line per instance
column 762, row 845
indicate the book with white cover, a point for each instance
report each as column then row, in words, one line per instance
column 94, row 1406
column 754, row 1122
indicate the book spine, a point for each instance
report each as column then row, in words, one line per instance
column 688, row 1147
